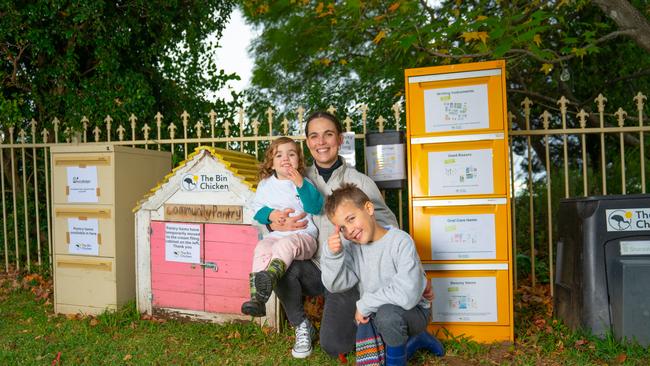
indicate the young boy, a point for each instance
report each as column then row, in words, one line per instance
column 385, row 266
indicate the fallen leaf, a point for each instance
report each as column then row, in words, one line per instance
column 93, row 322
column 581, row 342
column 621, row 358
column 127, row 357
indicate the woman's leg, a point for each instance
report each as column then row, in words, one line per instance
column 301, row 278
column 338, row 329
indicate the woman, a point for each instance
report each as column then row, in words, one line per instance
column 337, row 333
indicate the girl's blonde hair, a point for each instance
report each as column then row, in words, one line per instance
column 266, row 168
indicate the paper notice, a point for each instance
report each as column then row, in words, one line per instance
column 347, row 150
column 183, row 243
column 386, row 162
column 83, row 236
column 82, row 184
column 460, row 172
column 464, row 299
column 456, row 109
column 463, row 237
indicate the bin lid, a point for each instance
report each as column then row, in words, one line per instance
column 617, row 197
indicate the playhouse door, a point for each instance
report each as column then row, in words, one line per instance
column 230, row 249
column 176, row 273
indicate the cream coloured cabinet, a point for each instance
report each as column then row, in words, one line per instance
column 94, row 190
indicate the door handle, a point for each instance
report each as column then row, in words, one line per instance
column 208, row 265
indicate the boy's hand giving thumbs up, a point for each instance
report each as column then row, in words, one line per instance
column 334, row 241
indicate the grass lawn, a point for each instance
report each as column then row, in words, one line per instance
column 31, row 334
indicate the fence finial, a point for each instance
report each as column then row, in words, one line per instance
column 56, row 122
column 120, row 132
column 133, row 120
column 348, row 124
column 331, row 109
column 269, row 114
column 546, row 116
column 22, row 134
column 97, row 131
column 301, row 118
column 213, row 119
column 84, row 124
column 226, row 127
column 172, row 130
column 45, row 134
column 364, row 116
column 256, row 126
column 380, row 123
column 600, row 101
column 620, row 114
column 397, row 109
column 108, row 121
column 145, row 130
column 199, row 127
column 32, row 124
column 285, row 126
column 562, row 102
column 582, row 117
column 639, row 98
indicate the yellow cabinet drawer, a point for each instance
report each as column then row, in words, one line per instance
column 84, row 281
column 477, row 168
column 83, row 178
column 438, row 105
column 465, row 296
column 84, row 230
column 461, row 233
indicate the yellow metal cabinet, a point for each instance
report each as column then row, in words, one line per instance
column 94, row 189
column 459, row 203
column 465, row 233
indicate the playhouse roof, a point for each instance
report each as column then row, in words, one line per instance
column 243, row 166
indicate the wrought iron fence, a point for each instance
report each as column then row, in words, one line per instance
column 553, row 155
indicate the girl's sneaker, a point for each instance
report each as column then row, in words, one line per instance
column 305, row 333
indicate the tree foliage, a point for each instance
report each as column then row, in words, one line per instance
column 96, row 58
column 355, row 51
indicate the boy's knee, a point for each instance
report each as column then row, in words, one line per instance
column 391, row 324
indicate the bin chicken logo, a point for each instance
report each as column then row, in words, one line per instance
column 189, row 182
column 620, row 220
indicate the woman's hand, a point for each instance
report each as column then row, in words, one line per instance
column 289, row 223
column 278, row 216
column 295, row 177
column 428, row 292
column 360, row 318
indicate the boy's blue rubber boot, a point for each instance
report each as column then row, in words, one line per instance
column 426, row 341
column 396, row 356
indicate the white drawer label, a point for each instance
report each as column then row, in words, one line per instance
column 639, row 247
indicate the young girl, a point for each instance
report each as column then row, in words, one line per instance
column 281, row 192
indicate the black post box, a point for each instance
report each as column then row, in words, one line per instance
column 602, row 280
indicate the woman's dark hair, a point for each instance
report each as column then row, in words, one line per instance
column 326, row 115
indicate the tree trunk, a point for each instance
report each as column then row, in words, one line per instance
column 627, row 17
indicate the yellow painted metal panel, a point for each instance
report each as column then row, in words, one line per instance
column 462, row 237
column 455, row 176
column 503, row 297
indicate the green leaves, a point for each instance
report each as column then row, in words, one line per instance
column 97, row 58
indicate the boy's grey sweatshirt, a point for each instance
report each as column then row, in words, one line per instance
column 388, row 271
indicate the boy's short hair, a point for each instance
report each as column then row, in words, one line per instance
column 346, row 192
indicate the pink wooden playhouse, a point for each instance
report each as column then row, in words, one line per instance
column 195, row 237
